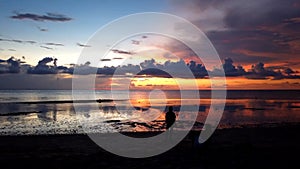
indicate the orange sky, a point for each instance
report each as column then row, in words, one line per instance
column 269, row 36
column 232, row 83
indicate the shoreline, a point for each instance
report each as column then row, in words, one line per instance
column 155, row 132
column 259, row 147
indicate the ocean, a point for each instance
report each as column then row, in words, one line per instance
column 38, row 112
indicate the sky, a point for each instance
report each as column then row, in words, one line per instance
column 257, row 41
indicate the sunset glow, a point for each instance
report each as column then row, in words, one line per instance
column 258, row 53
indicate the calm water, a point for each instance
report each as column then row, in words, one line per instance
column 140, row 111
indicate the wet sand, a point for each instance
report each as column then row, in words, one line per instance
column 259, row 147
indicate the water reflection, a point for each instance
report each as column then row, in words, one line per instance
column 48, row 114
column 120, row 116
column 257, row 111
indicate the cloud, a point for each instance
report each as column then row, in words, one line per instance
column 30, row 41
column 44, row 61
column 230, row 70
column 152, row 68
column 177, row 69
column 106, row 71
column 122, row 52
column 12, row 65
column 135, row 42
column 148, row 64
column 42, row 29
column 53, row 44
column 289, row 71
column 84, row 69
column 43, row 68
column 18, row 41
column 266, row 29
column 105, row 60
column 11, row 49
column 45, row 47
column 5, row 40
column 267, row 12
column 117, row 58
column 154, row 72
column 47, row 17
column 181, row 69
column 198, row 70
column 82, row 45
column 258, row 71
column 178, row 49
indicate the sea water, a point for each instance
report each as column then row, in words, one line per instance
column 35, row 112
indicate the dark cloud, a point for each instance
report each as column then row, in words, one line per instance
column 45, row 47
column 105, row 60
column 11, row 49
column 177, row 69
column 231, row 70
column 198, row 70
column 122, row 52
column 249, row 47
column 5, row 40
column 106, row 70
column 44, row 61
column 82, row 45
column 48, row 17
column 289, row 71
column 152, row 68
column 248, row 32
column 258, row 71
column 42, row 29
column 183, row 70
column 135, row 42
column 148, row 64
column 155, row 72
column 43, row 68
column 18, row 41
column 83, row 69
column 244, row 14
column 53, row 44
column 128, row 69
column 30, row 41
column 12, row 65
column 117, row 58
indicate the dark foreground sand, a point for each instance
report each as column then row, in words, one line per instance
column 260, row 147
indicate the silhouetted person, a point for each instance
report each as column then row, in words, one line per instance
column 170, row 117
